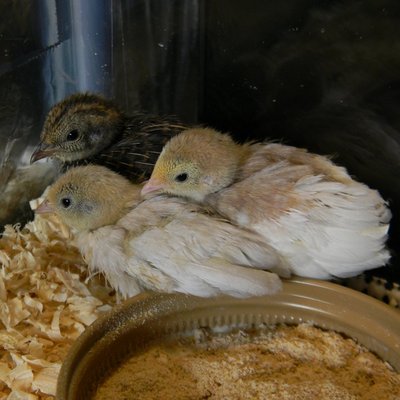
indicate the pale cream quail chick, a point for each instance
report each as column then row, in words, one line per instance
column 323, row 222
column 163, row 244
column 89, row 129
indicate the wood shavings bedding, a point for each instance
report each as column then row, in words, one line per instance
column 45, row 304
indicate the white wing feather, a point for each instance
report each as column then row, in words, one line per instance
column 167, row 244
column 337, row 229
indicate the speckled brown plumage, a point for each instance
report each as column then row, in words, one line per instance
column 89, row 129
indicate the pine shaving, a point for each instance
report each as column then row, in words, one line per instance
column 46, row 302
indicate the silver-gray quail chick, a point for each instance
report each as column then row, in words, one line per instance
column 164, row 244
column 321, row 220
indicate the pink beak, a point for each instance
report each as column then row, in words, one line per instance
column 153, row 185
column 45, row 208
column 42, row 151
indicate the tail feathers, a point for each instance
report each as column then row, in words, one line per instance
column 346, row 270
column 345, row 232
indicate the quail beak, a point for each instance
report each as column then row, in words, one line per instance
column 152, row 187
column 45, row 208
column 42, row 151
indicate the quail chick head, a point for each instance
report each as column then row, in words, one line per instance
column 90, row 197
column 78, row 128
column 87, row 128
column 197, row 162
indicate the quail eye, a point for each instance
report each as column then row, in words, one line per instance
column 66, row 202
column 181, row 177
column 73, row 135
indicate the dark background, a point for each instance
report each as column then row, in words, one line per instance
column 324, row 75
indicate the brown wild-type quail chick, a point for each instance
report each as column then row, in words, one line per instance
column 164, row 244
column 324, row 223
column 89, row 129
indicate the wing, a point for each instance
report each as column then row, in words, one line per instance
column 206, row 257
column 323, row 227
column 103, row 251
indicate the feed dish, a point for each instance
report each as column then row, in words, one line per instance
column 153, row 316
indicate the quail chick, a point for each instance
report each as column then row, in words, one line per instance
column 163, row 244
column 310, row 210
column 87, row 128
